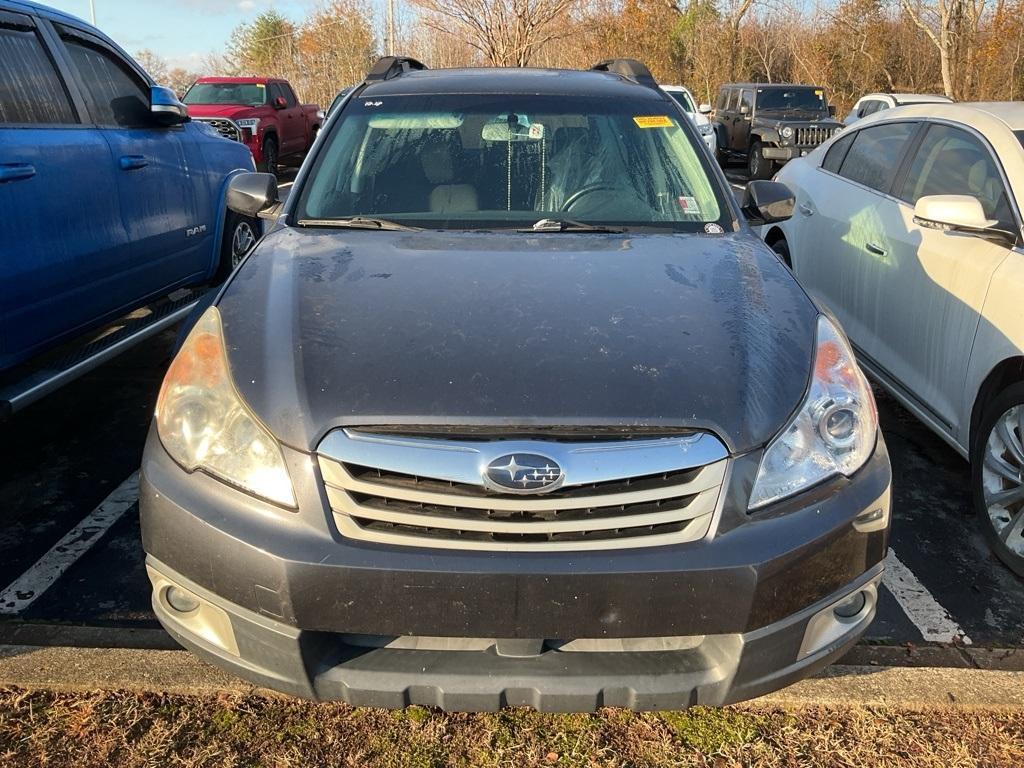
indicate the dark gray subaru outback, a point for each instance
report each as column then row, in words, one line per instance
column 510, row 407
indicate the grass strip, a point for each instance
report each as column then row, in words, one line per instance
column 43, row 728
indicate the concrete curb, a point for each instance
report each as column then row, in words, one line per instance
column 179, row 672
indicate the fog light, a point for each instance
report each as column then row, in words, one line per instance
column 851, row 606
column 180, row 600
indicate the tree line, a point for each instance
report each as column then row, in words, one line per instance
column 967, row 49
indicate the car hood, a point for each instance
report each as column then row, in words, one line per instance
column 344, row 327
column 220, row 110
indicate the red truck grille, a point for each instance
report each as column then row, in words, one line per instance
column 223, row 126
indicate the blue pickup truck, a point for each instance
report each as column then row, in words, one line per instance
column 113, row 202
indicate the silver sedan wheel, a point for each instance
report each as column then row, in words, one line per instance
column 1002, row 479
column 241, row 242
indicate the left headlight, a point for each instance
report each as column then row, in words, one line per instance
column 786, row 132
column 833, row 432
column 705, row 129
column 203, row 422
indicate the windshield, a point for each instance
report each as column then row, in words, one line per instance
column 247, row 94
column 683, row 99
column 510, row 161
column 808, row 99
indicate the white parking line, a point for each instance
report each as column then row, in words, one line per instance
column 24, row 590
column 931, row 619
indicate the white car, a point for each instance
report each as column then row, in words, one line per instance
column 877, row 102
column 908, row 226
column 699, row 115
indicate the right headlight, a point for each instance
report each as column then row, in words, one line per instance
column 832, row 433
column 204, row 424
column 786, row 132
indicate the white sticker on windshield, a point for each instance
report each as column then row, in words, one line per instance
column 536, row 131
column 688, row 204
column 713, row 229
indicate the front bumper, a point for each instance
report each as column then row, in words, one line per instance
column 288, row 589
column 785, row 154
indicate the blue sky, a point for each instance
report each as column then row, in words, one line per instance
column 181, row 31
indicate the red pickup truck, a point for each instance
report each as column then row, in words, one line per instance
column 261, row 112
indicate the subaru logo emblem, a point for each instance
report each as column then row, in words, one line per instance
column 523, row 473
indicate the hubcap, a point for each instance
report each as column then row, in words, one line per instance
column 241, row 242
column 1002, row 478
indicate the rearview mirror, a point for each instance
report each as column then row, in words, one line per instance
column 253, row 194
column 952, row 212
column 766, row 202
column 165, row 107
column 704, row 109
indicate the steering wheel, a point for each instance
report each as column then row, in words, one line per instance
column 579, row 194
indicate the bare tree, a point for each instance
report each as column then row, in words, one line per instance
column 153, row 64
column 939, row 22
column 507, row 33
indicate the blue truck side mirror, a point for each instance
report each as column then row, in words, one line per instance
column 165, row 106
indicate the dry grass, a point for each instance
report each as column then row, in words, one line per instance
column 123, row 729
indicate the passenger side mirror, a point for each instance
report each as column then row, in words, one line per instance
column 767, row 202
column 165, row 107
column 279, row 102
column 958, row 213
column 704, row 109
column 253, row 194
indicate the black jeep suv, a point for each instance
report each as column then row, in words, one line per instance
column 510, row 406
column 770, row 124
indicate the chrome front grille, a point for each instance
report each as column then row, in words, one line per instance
column 427, row 492
column 223, row 126
column 813, row 135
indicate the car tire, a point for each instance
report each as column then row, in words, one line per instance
column 781, row 247
column 269, row 164
column 997, row 476
column 758, row 167
column 240, row 235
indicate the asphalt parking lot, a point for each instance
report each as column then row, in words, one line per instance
column 72, row 457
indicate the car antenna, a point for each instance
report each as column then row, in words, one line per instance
column 389, row 67
column 631, row 69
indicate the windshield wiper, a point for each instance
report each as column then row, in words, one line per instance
column 569, row 225
column 358, row 222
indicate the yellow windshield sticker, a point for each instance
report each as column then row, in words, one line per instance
column 653, row 121
column 819, row 93
column 260, row 85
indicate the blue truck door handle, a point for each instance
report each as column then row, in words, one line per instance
column 133, row 162
column 16, row 172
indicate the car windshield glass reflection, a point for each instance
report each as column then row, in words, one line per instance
column 480, row 162
column 812, row 99
column 243, row 94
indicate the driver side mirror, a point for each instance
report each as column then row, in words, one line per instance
column 254, row 194
column 704, row 109
column 767, row 202
column 958, row 213
column 279, row 102
column 165, row 107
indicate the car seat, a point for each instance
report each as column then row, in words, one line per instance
column 438, row 167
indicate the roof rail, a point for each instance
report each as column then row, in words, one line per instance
column 631, row 69
column 388, row 67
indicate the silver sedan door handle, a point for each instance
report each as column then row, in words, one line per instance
column 875, row 249
column 806, row 210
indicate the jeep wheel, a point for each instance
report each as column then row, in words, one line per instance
column 269, row 164
column 757, row 166
column 997, row 476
